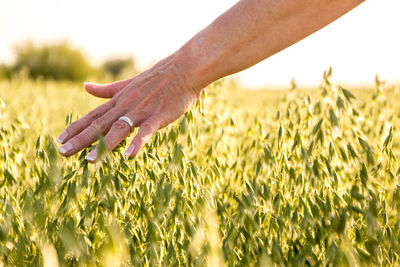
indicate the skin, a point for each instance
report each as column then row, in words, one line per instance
column 247, row 33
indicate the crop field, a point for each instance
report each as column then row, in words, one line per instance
column 245, row 178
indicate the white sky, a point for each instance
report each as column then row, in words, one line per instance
column 363, row 42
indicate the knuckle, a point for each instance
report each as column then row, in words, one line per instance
column 92, row 115
column 147, row 127
column 72, row 127
column 141, row 140
column 151, row 125
column 77, row 142
column 75, row 127
column 82, row 122
column 121, row 125
column 99, row 125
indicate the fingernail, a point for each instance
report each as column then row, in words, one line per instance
column 62, row 137
column 86, row 84
column 129, row 150
column 65, row 148
column 91, row 157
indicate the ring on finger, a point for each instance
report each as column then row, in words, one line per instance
column 127, row 120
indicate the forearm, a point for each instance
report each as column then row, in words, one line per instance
column 253, row 30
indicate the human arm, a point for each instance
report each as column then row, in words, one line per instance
column 250, row 31
column 254, row 30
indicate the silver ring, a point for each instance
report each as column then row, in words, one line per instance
column 127, row 120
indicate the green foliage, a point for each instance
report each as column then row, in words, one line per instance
column 116, row 67
column 314, row 184
column 55, row 61
column 4, row 71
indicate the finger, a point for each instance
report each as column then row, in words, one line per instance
column 146, row 130
column 79, row 125
column 118, row 132
column 89, row 135
column 106, row 90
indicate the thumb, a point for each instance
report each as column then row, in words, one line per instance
column 106, row 90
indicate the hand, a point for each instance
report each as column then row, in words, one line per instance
column 152, row 100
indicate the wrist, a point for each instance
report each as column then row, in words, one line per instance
column 177, row 69
column 195, row 64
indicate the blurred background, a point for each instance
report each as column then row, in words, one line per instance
column 81, row 40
